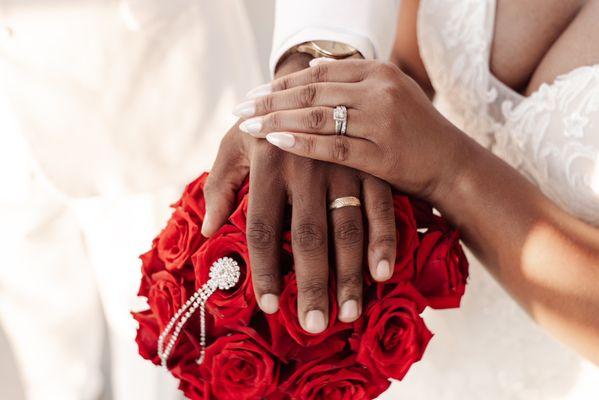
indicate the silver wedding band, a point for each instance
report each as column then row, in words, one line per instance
column 340, row 117
column 348, row 201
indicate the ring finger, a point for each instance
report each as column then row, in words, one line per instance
column 310, row 120
column 348, row 238
column 312, row 95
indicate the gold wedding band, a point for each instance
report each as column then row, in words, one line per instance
column 349, row 201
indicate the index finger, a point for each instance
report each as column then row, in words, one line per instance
column 347, row 71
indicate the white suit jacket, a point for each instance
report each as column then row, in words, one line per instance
column 120, row 96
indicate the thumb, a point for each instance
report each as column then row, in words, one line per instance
column 225, row 179
column 220, row 198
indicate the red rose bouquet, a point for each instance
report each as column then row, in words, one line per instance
column 229, row 349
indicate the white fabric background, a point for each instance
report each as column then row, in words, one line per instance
column 106, row 108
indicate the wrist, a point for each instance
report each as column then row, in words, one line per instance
column 463, row 155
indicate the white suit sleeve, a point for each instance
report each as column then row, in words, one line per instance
column 366, row 25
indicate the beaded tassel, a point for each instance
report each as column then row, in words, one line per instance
column 224, row 274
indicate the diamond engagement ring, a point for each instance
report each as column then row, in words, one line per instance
column 349, row 201
column 340, row 117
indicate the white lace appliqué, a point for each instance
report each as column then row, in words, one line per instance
column 551, row 136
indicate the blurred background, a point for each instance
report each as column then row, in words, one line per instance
column 107, row 107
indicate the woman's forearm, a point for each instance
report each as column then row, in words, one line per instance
column 547, row 259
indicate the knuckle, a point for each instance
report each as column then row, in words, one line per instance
column 383, row 209
column 307, row 95
column 260, row 235
column 305, row 169
column 319, row 73
column 269, row 155
column 384, row 240
column 353, row 280
column 214, row 189
column 274, row 121
column 265, row 280
column 386, row 69
column 209, row 187
column 310, row 145
column 309, row 238
column 340, row 149
column 315, row 119
column 267, row 103
column 312, row 289
column 284, row 83
column 348, row 233
column 390, row 91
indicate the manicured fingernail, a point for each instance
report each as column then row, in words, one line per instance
column 269, row 303
column 259, row 91
column 349, row 311
column 383, row 271
column 315, row 321
column 282, row 140
column 320, row 60
column 252, row 125
column 245, row 109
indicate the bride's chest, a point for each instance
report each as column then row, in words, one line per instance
column 550, row 136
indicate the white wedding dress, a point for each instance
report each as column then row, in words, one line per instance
column 490, row 349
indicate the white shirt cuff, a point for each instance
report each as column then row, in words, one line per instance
column 366, row 25
column 360, row 43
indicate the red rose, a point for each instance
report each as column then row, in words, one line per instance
column 147, row 339
column 335, row 378
column 426, row 217
column 192, row 382
column 288, row 316
column 237, row 366
column 239, row 216
column 193, row 200
column 178, row 240
column 243, row 191
column 150, row 264
column 286, row 348
column 395, row 336
column 252, row 355
column 234, row 306
column 441, row 269
column 193, row 387
column 147, row 335
column 166, row 295
column 407, row 244
column 407, row 239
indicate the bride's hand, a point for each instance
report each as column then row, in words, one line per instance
column 393, row 130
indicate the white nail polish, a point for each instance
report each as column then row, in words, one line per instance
column 245, row 109
column 315, row 61
column 269, row 303
column 315, row 322
column 349, row 311
column 252, row 125
column 383, row 270
column 282, row 140
column 259, row 91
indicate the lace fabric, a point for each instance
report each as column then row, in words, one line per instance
column 550, row 136
column 490, row 349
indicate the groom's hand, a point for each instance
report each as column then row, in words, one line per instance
column 278, row 178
